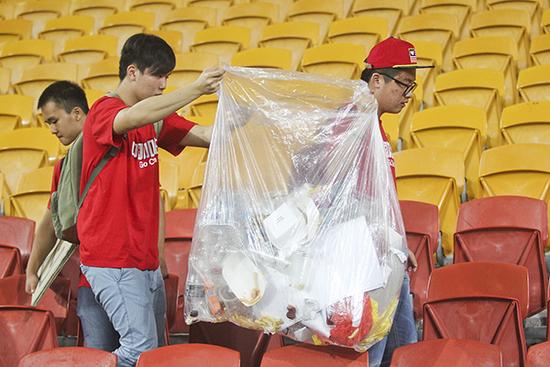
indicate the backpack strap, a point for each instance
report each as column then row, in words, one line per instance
column 108, row 155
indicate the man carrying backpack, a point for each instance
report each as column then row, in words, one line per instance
column 64, row 107
column 118, row 221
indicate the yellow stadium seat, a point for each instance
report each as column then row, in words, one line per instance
column 516, row 169
column 265, row 57
column 15, row 111
column 435, row 176
column 534, row 83
column 294, row 36
column 532, row 7
column 59, row 30
column 89, row 49
column 102, row 75
column 18, row 161
column 362, row 30
column 35, row 138
column 482, row 88
column 173, row 38
column 39, row 179
column 201, row 120
column 187, row 162
column 205, row 105
column 168, row 175
column 188, row 21
column 6, row 11
column 223, row 41
column 125, row 24
column 283, row 8
column 392, row 11
column 35, row 79
column 540, row 49
column 14, row 30
column 254, row 16
column 463, row 9
column 527, row 122
column 18, row 55
column 440, row 28
column 40, row 11
column 5, row 80
column 189, row 66
column 195, row 189
column 31, row 205
column 159, row 7
column 340, row 60
column 460, row 128
column 322, row 12
column 428, row 53
column 497, row 53
column 514, row 24
column 97, row 9
column 93, row 95
column 545, row 21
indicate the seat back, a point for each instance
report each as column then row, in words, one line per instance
column 102, row 75
column 527, row 122
column 35, row 79
column 461, row 306
column 264, row 57
column 14, row 30
column 125, row 24
column 362, row 30
column 38, row 180
column 159, row 8
column 206, row 105
column 254, row 16
column 24, row 330
column 309, row 355
column 15, row 111
column 40, row 11
column 223, row 41
column 422, row 229
column 392, row 11
column 17, row 161
column 447, row 352
column 534, row 83
column 35, row 138
column 189, row 355
column 19, row 233
column 98, row 10
column 461, row 128
column 479, row 88
column 339, row 60
column 509, row 229
column 10, row 261
column 462, row 9
column 68, row 357
column 30, row 204
column 322, row 12
column 188, row 21
column 61, row 29
column 540, row 49
column 434, row 176
column 18, row 55
column 55, row 299
column 538, row 355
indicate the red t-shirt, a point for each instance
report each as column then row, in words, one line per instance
column 55, row 182
column 118, row 221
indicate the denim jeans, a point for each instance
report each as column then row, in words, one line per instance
column 402, row 332
column 133, row 300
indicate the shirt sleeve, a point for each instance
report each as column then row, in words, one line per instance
column 104, row 112
column 174, row 129
column 55, row 178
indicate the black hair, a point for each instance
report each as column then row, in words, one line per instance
column 147, row 51
column 65, row 94
column 366, row 75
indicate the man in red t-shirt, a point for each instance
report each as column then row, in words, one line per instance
column 64, row 107
column 391, row 73
column 118, row 221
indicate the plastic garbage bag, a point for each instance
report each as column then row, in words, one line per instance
column 299, row 230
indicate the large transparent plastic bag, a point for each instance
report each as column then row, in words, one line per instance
column 299, row 230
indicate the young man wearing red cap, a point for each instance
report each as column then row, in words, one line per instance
column 391, row 73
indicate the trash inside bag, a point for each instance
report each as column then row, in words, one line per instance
column 299, row 230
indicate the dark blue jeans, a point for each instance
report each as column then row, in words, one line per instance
column 402, row 332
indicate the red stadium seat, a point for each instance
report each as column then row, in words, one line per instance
column 55, row 300
column 24, row 330
column 179, row 226
column 69, row 357
column 303, row 355
column 480, row 301
column 189, row 355
column 539, row 355
column 10, row 261
column 422, row 228
column 510, row 229
column 447, row 352
column 251, row 344
column 18, row 232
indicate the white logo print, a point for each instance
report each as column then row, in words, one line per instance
column 146, row 153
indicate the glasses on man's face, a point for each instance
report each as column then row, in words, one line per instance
column 408, row 88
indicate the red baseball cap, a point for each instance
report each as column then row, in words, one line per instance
column 393, row 53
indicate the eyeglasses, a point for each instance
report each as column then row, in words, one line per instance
column 408, row 88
